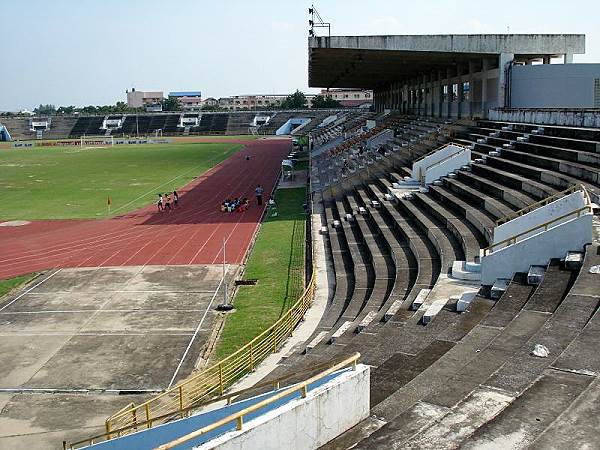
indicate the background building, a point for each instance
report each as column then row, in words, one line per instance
column 256, row 101
column 210, row 101
column 350, row 97
column 139, row 99
column 190, row 100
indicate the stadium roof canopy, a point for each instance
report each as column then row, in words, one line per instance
column 372, row 61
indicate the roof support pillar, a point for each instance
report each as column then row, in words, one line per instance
column 485, row 67
column 503, row 66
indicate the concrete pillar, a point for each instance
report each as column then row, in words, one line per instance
column 440, row 100
column 471, row 77
column 568, row 58
column 504, row 61
column 485, row 67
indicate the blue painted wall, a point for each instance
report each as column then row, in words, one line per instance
column 151, row 438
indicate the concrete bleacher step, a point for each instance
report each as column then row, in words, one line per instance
column 433, row 310
column 447, row 432
column 366, row 321
column 340, row 331
column 498, row 288
column 535, row 274
column 574, row 260
column 463, row 302
column 316, row 341
column 534, row 411
column 465, row 270
column 420, row 299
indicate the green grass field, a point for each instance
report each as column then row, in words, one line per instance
column 11, row 283
column 277, row 261
column 71, row 182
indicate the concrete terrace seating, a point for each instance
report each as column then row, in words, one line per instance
column 463, row 379
column 211, row 124
column 87, row 126
column 239, row 122
column 348, row 160
column 556, row 159
column 488, row 382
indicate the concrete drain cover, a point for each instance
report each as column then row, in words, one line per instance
column 14, row 223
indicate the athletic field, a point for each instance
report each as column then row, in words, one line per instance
column 76, row 182
column 191, row 234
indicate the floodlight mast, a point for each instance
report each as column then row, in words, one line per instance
column 316, row 21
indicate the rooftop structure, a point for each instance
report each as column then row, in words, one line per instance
column 138, row 99
column 190, row 100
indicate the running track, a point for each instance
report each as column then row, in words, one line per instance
column 192, row 234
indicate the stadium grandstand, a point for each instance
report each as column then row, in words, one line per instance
column 452, row 272
column 163, row 124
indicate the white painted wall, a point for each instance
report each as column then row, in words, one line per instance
column 443, row 168
column 434, row 157
column 305, row 423
column 546, row 213
column 538, row 249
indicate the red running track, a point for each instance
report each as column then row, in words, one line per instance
column 191, row 234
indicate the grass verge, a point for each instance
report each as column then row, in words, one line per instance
column 277, row 261
column 11, row 283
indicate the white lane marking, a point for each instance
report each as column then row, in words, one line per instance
column 197, row 330
column 28, row 290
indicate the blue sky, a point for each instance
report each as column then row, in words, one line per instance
column 89, row 51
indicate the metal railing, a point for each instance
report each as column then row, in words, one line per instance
column 514, row 239
column 212, row 381
column 275, row 384
column 543, row 202
column 238, row 417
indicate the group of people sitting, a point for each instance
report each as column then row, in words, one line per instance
column 237, row 204
column 167, row 201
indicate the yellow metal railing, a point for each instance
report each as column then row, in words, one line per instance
column 514, row 239
column 238, row 417
column 543, row 202
column 228, row 398
column 212, row 381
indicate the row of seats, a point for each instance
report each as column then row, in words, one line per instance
column 415, row 133
column 464, row 379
